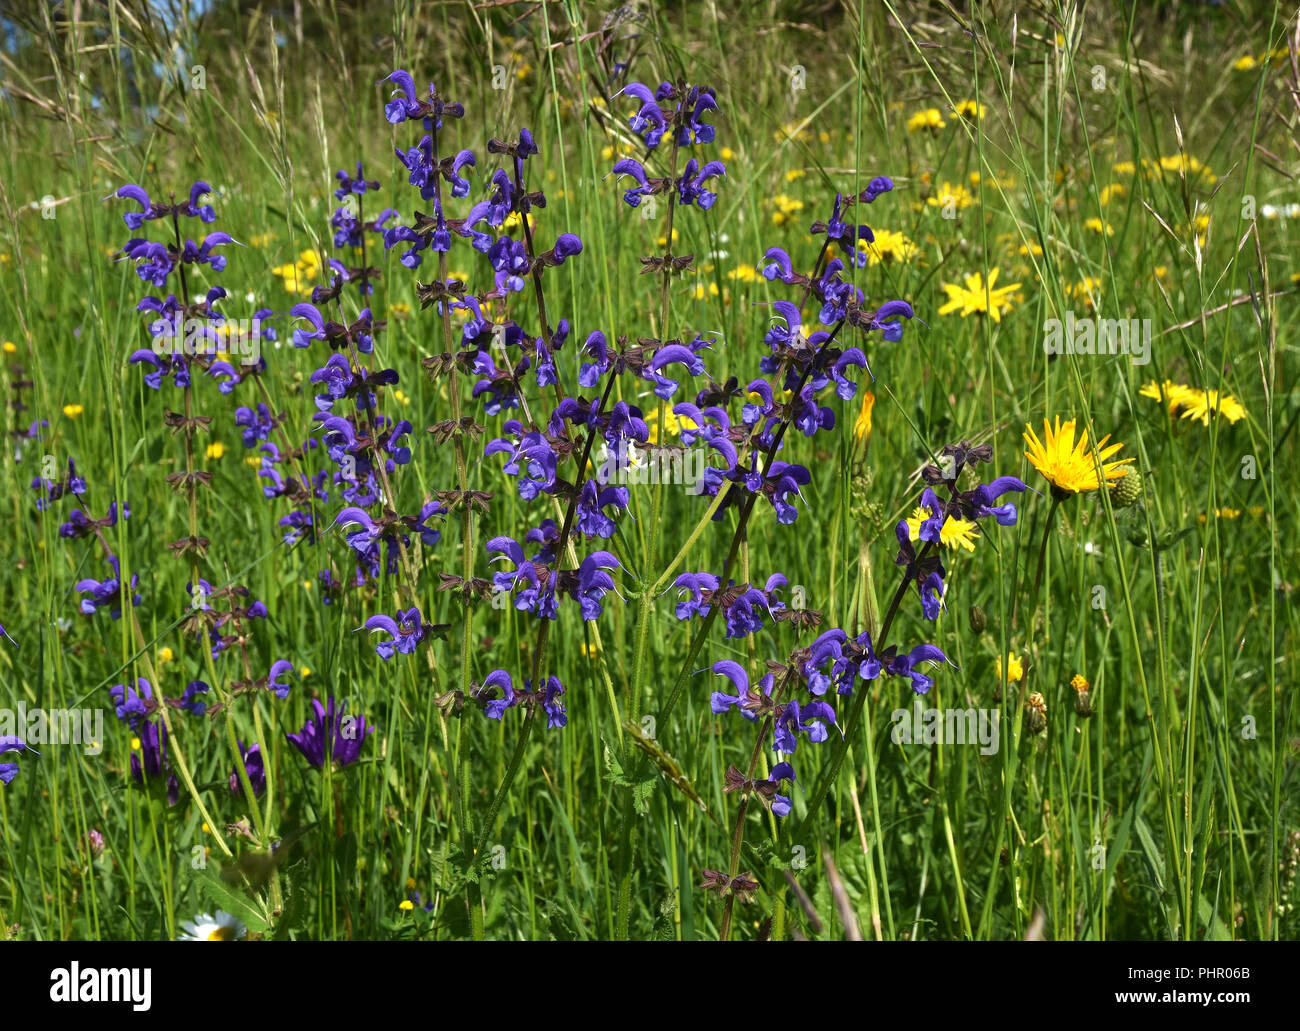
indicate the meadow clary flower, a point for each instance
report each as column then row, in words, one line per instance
column 252, row 759
column 106, row 593
column 406, row 631
column 548, row 697
column 9, row 745
column 133, row 703
column 329, row 735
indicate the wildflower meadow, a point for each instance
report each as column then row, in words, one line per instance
column 650, row 471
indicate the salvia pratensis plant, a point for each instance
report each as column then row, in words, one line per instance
column 570, row 438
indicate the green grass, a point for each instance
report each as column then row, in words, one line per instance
column 1162, row 816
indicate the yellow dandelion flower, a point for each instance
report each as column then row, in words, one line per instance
column 889, row 247
column 793, row 174
column 973, row 298
column 216, row 449
column 406, row 905
column 727, row 154
column 1070, row 466
column 956, row 532
column 673, row 424
column 949, row 195
column 1015, row 669
column 165, row 655
column 1244, row 63
column 786, row 207
column 930, row 119
column 1080, row 683
column 1098, row 227
column 744, row 273
column 971, row 109
column 1199, row 405
column 1086, row 290
column 72, row 411
column 1111, row 192
column 10, row 347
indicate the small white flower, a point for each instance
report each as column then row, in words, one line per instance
column 204, row 928
column 1292, row 211
column 1268, row 211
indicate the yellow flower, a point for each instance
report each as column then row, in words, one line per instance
column 216, row 449
column 165, row 655
column 1244, row 63
column 1015, row 669
column 1111, row 192
column 1223, row 513
column 888, row 246
column 1070, row 467
column 930, row 119
column 949, row 195
column 513, row 221
column 745, row 273
column 862, row 428
column 1201, row 404
column 406, row 905
column 973, row 299
column 956, row 532
column 261, row 239
column 72, row 411
column 663, row 240
column 972, row 109
column 10, row 347
column 1125, row 168
column 1198, row 405
column 1099, row 227
column 400, row 397
column 135, row 747
column 793, row 174
column 1030, row 248
column 1080, row 683
column 304, row 671
column 253, row 460
column 727, row 154
column 673, row 423
column 786, row 207
column 1086, row 289
column 588, row 650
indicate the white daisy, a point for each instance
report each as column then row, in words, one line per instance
column 224, row 928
